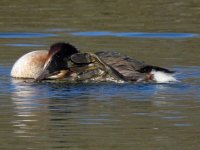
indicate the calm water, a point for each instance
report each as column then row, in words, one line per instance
column 105, row 116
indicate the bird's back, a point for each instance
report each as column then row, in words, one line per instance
column 128, row 67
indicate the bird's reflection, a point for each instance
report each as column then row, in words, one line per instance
column 27, row 108
column 65, row 111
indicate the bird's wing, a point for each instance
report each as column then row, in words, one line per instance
column 128, row 67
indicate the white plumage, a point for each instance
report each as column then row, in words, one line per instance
column 29, row 65
column 163, row 77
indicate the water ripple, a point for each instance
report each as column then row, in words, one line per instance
column 25, row 35
column 23, row 45
column 169, row 35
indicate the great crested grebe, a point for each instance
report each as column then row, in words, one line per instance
column 64, row 61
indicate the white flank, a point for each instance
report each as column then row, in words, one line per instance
column 29, row 65
column 163, row 77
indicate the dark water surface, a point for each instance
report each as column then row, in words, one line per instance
column 104, row 116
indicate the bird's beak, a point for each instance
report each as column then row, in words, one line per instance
column 45, row 72
column 51, row 69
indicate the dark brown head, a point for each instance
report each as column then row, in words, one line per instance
column 62, row 50
column 56, row 59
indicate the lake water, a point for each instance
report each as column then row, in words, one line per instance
column 104, row 116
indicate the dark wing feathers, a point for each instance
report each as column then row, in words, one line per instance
column 124, row 65
column 130, row 68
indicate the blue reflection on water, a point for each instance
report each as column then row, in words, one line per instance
column 24, row 45
column 183, row 125
column 135, row 34
column 93, row 33
column 25, row 35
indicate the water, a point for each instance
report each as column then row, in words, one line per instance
column 136, row 34
column 55, row 115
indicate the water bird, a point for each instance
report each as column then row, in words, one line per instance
column 64, row 61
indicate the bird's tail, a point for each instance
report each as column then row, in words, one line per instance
column 158, row 74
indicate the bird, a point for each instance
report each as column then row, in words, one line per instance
column 64, row 61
